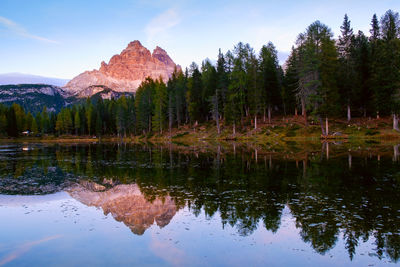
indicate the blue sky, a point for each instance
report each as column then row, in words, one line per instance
column 64, row 38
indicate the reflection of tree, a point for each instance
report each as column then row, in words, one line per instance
column 358, row 202
column 327, row 200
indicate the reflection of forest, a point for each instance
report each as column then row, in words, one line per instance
column 126, row 204
column 330, row 192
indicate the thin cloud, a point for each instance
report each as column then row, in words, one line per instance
column 19, row 30
column 160, row 24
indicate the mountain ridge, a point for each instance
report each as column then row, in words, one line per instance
column 33, row 97
column 13, row 78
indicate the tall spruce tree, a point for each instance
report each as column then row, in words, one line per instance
column 346, row 70
column 290, row 84
column 390, row 65
column 269, row 79
column 222, row 80
column 144, row 104
column 194, row 94
column 77, row 123
column 254, row 94
column 209, row 82
column 317, row 72
column 160, row 106
column 362, row 91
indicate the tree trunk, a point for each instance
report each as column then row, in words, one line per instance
column 377, row 114
column 348, row 113
column 269, row 113
column 295, row 112
column 395, row 123
column 327, row 150
column 270, row 162
column 150, row 124
column 255, row 122
column 322, row 125
column 327, row 125
column 217, row 112
column 305, row 164
column 304, row 112
column 395, row 152
column 234, row 129
column 264, row 114
column 350, row 160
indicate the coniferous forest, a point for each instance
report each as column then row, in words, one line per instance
column 355, row 75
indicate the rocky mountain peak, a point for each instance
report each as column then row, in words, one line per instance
column 162, row 55
column 126, row 71
column 134, row 44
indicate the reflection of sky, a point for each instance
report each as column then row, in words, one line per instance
column 56, row 229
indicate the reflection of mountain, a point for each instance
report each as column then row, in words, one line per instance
column 126, row 204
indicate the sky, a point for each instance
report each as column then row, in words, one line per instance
column 64, row 38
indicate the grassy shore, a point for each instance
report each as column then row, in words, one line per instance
column 278, row 130
column 285, row 129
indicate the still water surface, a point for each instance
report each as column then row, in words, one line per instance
column 107, row 204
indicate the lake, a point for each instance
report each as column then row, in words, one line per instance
column 216, row 205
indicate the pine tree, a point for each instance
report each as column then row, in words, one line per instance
column 160, row 106
column 28, row 121
column 60, row 124
column 222, row 80
column 12, row 129
column 271, row 88
column 144, row 104
column 67, row 119
column 45, row 122
column 290, row 84
column 77, row 122
column 38, row 119
column 254, row 94
column 99, row 123
column 171, row 105
column 390, row 63
column 34, row 127
column 209, row 82
column 238, row 85
column 376, row 45
column 89, row 116
column 362, row 90
column 194, row 94
column 19, row 116
column 131, row 115
column 3, row 123
column 328, row 92
column 346, row 71
column 375, row 31
column 317, row 71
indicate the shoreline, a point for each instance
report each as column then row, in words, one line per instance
column 279, row 130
